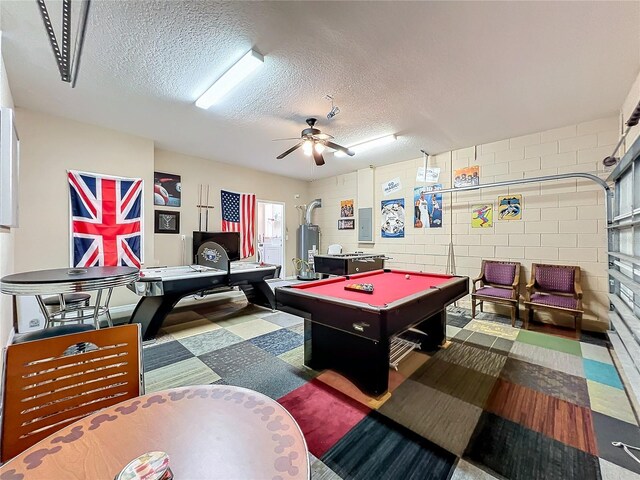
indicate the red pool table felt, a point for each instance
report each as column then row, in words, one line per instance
column 388, row 286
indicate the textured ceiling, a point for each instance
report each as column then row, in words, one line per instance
column 441, row 75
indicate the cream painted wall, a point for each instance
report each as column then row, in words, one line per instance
column 6, row 234
column 195, row 171
column 49, row 147
column 563, row 221
column 628, row 106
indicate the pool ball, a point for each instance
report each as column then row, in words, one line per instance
column 407, row 276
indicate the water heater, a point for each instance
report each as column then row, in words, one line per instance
column 308, row 243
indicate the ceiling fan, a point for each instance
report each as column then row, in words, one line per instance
column 313, row 142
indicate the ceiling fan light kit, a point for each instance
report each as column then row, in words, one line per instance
column 368, row 145
column 232, row 77
column 314, row 142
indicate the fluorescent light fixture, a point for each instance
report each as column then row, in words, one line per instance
column 232, row 77
column 364, row 146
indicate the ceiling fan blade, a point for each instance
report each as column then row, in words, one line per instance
column 279, row 139
column 323, row 136
column 318, row 158
column 335, row 146
column 295, row 147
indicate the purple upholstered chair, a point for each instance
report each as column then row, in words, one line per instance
column 555, row 288
column 498, row 284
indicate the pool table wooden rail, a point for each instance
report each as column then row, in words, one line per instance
column 367, row 320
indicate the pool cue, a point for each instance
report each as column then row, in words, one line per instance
column 184, row 250
column 207, row 211
column 200, row 208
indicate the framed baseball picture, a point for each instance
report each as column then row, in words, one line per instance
column 166, row 221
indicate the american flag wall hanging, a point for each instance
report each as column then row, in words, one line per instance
column 239, row 215
column 106, row 220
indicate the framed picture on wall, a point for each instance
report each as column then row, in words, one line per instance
column 466, row 177
column 166, row 221
column 347, row 224
column 167, row 189
column 510, row 207
column 346, row 209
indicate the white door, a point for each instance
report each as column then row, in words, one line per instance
column 271, row 234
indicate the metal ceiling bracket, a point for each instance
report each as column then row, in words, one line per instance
column 68, row 71
column 52, row 36
column 66, row 39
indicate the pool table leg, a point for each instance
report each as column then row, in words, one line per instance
column 435, row 327
column 363, row 361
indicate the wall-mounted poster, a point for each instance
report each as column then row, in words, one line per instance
column 346, row 209
column 346, row 224
column 166, row 189
column 391, row 186
column 430, row 175
column 393, row 218
column 466, row 177
column 482, row 216
column 427, row 211
column 510, row 207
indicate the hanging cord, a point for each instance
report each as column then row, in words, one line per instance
column 299, row 264
column 626, row 449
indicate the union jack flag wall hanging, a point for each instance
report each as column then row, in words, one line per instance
column 106, row 220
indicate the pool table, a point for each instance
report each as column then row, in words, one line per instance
column 351, row 331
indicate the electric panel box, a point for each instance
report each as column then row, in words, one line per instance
column 365, row 225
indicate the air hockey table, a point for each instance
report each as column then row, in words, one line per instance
column 162, row 288
column 352, row 331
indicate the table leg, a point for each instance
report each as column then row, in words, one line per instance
column 435, row 328
column 364, row 361
column 259, row 293
column 96, row 310
column 106, row 308
column 150, row 312
column 45, row 312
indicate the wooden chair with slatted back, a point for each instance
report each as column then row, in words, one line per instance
column 52, row 382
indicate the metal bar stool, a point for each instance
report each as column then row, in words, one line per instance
column 56, row 309
column 68, row 303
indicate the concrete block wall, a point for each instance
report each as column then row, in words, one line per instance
column 563, row 222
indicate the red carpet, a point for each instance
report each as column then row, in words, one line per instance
column 325, row 415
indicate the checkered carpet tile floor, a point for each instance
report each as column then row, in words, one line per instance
column 495, row 402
